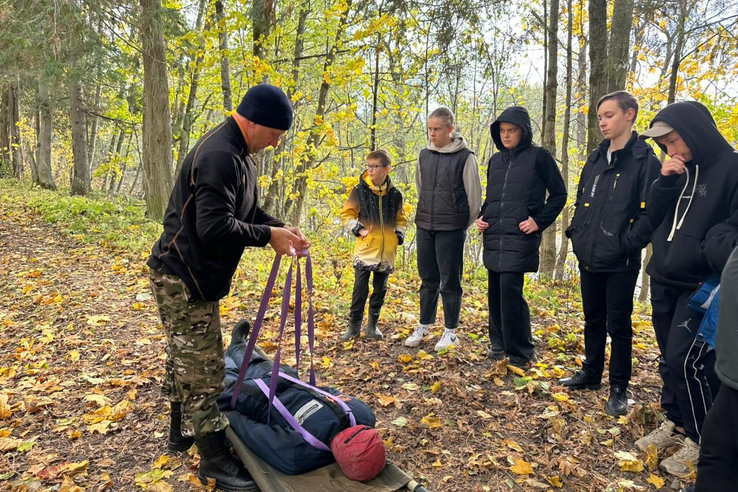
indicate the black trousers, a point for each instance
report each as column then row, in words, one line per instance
column 440, row 265
column 686, row 366
column 509, row 317
column 607, row 299
column 361, row 291
column 718, row 466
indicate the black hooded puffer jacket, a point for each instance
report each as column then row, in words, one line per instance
column 517, row 181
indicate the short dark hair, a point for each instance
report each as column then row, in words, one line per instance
column 624, row 99
column 380, row 155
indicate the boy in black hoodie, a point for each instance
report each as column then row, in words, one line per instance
column 695, row 196
column 608, row 232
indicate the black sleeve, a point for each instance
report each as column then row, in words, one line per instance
column 640, row 233
column 217, row 184
column 722, row 238
column 261, row 217
column 583, row 178
column 549, row 172
column 664, row 194
column 484, row 204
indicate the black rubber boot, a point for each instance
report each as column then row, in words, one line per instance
column 216, row 461
column 617, row 404
column 354, row 330
column 372, row 332
column 177, row 443
column 581, row 380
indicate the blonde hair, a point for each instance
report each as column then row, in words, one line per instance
column 444, row 114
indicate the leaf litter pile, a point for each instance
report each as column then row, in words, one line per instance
column 82, row 356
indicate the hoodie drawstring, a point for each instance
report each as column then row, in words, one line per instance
column 675, row 226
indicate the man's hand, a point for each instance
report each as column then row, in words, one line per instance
column 304, row 245
column 481, row 225
column 283, row 240
column 528, row 226
column 675, row 165
column 363, row 232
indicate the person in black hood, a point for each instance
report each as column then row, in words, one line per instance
column 693, row 199
column 718, row 462
column 608, row 231
column 212, row 216
column 513, row 216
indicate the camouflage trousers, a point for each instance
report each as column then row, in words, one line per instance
column 195, row 365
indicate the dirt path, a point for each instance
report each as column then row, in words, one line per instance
column 81, row 355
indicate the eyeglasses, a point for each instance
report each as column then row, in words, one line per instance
column 374, row 168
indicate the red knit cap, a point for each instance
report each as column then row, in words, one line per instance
column 360, row 452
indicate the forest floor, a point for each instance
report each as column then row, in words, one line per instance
column 82, row 356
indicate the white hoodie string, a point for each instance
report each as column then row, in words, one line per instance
column 676, row 226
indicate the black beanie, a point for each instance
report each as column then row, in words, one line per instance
column 267, row 105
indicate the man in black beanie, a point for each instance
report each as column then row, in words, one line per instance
column 212, row 216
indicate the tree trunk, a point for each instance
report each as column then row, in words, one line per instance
column 117, row 159
column 548, row 242
column 43, row 147
column 375, row 95
column 564, row 249
column 189, row 118
column 313, row 142
column 78, row 121
column 671, row 97
column 92, row 140
column 225, row 64
column 617, row 59
column 125, row 165
column 645, row 279
column 157, row 130
column 15, row 138
column 597, row 67
column 262, row 16
column 5, row 154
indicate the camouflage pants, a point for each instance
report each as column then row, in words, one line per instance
column 195, row 366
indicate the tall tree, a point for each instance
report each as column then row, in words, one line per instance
column 44, row 175
column 548, row 243
column 564, row 249
column 81, row 169
column 225, row 63
column 597, row 67
column 619, row 47
column 157, row 129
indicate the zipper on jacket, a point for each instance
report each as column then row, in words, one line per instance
column 381, row 226
column 614, row 185
column 502, row 203
column 433, row 197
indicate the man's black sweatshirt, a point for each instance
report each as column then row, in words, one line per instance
column 212, row 215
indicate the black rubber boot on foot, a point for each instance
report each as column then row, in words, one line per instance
column 582, row 380
column 177, row 443
column 216, row 461
column 372, row 332
column 617, row 404
column 353, row 331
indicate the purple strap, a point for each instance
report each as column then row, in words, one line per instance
column 282, row 322
column 298, row 318
column 333, row 398
column 309, row 438
column 283, row 318
column 255, row 330
column 311, row 321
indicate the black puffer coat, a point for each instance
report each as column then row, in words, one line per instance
column 517, row 181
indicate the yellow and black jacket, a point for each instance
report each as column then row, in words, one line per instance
column 378, row 209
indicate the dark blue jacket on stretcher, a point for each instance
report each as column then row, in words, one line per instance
column 277, row 443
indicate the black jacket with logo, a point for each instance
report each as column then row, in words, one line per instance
column 686, row 208
column 212, row 215
column 517, row 181
column 610, row 225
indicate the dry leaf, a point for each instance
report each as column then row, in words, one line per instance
column 521, row 467
column 410, row 386
column 404, row 358
column 512, row 445
column 656, row 481
column 9, row 444
column 628, row 462
column 161, row 461
column 484, row 414
column 436, row 387
column 430, row 421
column 385, row 400
column 423, row 355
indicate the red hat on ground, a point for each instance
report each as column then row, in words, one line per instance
column 360, row 452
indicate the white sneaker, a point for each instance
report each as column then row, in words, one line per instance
column 449, row 338
column 418, row 335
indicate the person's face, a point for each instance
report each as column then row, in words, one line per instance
column 439, row 133
column 613, row 120
column 377, row 173
column 675, row 146
column 510, row 134
column 261, row 137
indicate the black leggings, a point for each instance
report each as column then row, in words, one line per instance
column 718, row 466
